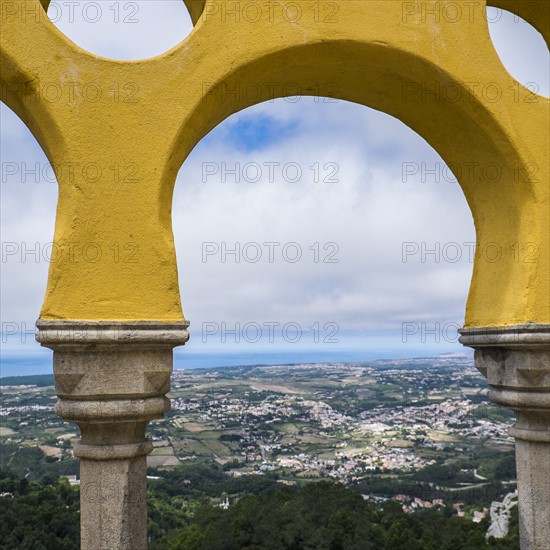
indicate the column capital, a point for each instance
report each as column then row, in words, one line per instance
column 105, row 360
column 512, row 358
column 528, row 336
column 55, row 333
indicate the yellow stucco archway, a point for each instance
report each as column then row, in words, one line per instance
column 117, row 133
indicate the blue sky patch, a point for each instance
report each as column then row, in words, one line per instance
column 254, row 133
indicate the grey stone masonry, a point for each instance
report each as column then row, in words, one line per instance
column 516, row 363
column 111, row 379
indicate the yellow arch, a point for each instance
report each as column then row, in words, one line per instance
column 398, row 57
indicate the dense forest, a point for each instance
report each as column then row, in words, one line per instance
column 43, row 515
column 38, row 515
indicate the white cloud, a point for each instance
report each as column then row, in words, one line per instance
column 369, row 213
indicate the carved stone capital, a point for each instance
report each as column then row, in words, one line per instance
column 516, row 363
column 512, row 357
column 109, row 360
column 111, row 379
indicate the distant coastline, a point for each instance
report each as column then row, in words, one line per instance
column 42, row 380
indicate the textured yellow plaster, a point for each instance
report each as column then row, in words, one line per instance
column 117, row 152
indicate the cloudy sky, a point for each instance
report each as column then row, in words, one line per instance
column 352, row 239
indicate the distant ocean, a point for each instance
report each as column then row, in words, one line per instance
column 41, row 363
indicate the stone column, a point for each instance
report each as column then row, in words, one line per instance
column 516, row 363
column 111, row 379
